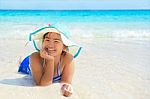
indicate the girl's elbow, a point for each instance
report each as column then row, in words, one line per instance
column 44, row 83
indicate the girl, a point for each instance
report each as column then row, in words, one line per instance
column 52, row 63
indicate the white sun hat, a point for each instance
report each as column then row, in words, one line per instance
column 37, row 38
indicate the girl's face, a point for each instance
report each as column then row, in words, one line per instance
column 53, row 44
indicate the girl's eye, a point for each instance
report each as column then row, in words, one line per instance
column 56, row 41
column 46, row 40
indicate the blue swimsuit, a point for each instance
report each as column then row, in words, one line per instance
column 58, row 77
column 25, row 69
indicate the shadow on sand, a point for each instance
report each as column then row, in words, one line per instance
column 22, row 81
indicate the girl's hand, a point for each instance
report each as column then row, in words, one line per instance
column 66, row 89
column 44, row 54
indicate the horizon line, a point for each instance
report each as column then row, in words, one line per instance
column 73, row 9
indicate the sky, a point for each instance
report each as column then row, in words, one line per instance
column 74, row 4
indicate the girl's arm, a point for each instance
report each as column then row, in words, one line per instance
column 47, row 77
column 67, row 73
column 42, row 75
column 36, row 67
column 68, row 70
column 67, row 76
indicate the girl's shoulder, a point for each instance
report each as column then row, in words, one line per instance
column 35, row 55
column 67, row 58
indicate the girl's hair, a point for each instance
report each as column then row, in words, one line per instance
column 66, row 47
column 45, row 35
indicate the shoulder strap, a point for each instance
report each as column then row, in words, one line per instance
column 58, row 69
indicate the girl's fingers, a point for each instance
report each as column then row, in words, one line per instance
column 66, row 89
column 67, row 93
column 43, row 53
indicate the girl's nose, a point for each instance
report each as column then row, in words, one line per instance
column 51, row 44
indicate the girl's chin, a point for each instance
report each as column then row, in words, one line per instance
column 52, row 54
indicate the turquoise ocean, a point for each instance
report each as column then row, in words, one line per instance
column 134, row 24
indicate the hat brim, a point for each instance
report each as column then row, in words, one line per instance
column 39, row 35
column 37, row 38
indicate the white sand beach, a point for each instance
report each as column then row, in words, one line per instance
column 105, row 69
